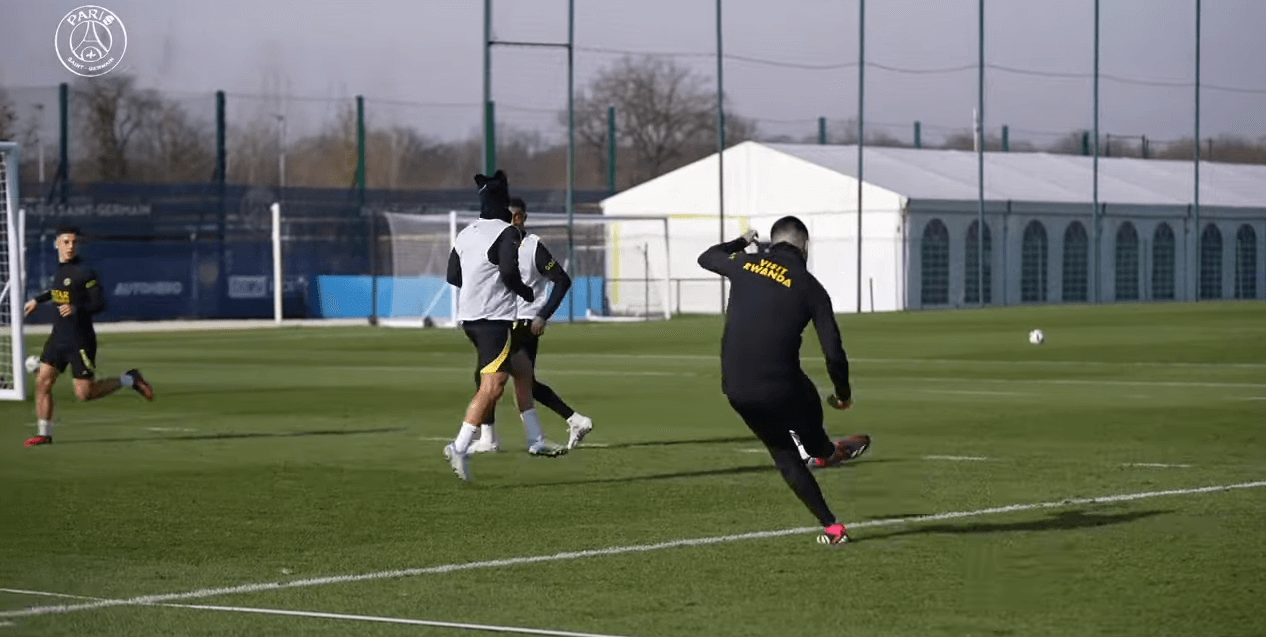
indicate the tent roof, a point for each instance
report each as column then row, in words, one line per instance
column 1042, row 177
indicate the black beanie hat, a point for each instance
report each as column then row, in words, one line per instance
column 494, row 196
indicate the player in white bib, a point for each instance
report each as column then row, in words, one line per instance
column 484, row 266
column 539, row 269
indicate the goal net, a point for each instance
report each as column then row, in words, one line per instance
column 12, row 351
column 618, row 267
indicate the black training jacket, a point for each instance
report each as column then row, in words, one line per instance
column 772, row 299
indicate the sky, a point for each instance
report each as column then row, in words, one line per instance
column 419, row 62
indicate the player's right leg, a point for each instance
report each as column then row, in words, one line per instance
column 578, row 425
column 772, row 421
column 45, row 378
column 521, row 369
column 493, row 345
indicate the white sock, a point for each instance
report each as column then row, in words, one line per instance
column 462, row 442
column 804, row 455
column 125, row 379
column 46, row 427
column 576, row 419
column 488, row 433
column 532, row 425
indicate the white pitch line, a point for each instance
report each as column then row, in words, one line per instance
column 1077, row 381
column 942, row 361
column 368, row 618
column 970, row 392
column 615, row 550
column 965, row 458
column 391, row 620
column 1155, row 464
column 20, row 591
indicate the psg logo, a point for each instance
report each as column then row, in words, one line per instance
column 90, row 41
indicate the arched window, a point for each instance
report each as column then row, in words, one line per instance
column 1127, row 263
column 1076, row 259
column 1163, row 263
column 1211, row 263
column 1245, row 263
column 935, row 257
column 1033, row 263
column 971, row 269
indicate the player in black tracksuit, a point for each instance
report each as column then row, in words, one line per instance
column 773, row 297
column 77, row 292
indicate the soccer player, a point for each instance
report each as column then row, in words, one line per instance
column 77, row 292
column 772, row 299
column 538, row 268
column 484, row 266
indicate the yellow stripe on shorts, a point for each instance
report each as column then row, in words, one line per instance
column 491, row 368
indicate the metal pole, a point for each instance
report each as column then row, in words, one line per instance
column 980, row 164
column 39, row 141
column 221, row 146
column 281, row 156
column 611, row 148
column 571, row 149
column 822, row 131
column 1095, row 170
column 1006, row 139
column 720, row 146
column 490, row 144
column 861, row 138
column 360, row 198
column 1196, row 145
column 63, row 143
column 278, row 285
column 918, row 137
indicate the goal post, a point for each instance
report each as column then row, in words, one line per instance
column 12, row 348
column 617, row 274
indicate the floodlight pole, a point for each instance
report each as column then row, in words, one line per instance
column 720, row 145
column 861, row 138
column 1095, row 170
column 980, row 163
column 490, row 146
column 571, row 150
column 1196, row 156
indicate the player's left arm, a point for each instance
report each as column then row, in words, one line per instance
column 551, row 269
column 504, row 253
column 93, row 301
column 832, row 346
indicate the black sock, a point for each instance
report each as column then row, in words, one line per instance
column 801, row 480
column 542, row 393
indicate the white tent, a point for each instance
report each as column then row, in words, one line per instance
column 919, row 233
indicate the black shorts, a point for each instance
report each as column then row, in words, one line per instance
column 81, row 356
column 525, row 339
column 774, row 416
column 494, row 342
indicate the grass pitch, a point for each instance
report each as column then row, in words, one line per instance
column 305, row 454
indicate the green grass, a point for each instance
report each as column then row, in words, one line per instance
column 277, row 455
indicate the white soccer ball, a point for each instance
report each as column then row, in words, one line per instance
column 32, row 364
column 1036, row 337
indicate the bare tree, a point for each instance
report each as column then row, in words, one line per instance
column 114, row 110
column 665, row 114
column 8, row 117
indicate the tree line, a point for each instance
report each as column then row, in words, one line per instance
column 665, row 119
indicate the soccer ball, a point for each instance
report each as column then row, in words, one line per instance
column 32, row 364
column 1036, row 337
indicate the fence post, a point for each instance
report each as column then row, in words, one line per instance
column 918, row 137
column 822, row 131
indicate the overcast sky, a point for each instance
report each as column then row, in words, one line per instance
column 429, row 52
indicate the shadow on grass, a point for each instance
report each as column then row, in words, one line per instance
column 243, row 435
column 669, row 443
column 1060, row 521
column 706, row 473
